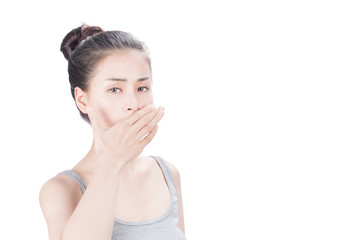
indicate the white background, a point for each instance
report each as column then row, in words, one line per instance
column 261, row 111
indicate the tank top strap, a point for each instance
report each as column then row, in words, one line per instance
column 76, row 177
column 167, row 174
column 164, row 168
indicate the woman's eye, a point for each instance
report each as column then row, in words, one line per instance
column 114, row 89
column 143, row 87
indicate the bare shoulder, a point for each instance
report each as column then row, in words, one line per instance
column 57, row 190
column 58, row 198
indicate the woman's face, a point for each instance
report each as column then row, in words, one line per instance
column 120, row 85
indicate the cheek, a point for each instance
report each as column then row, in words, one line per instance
column 109, row 111
column 148, row 98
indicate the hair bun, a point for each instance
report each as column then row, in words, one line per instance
column 75, row 36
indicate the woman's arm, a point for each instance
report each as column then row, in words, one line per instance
column 90, row 218
column 93, row 216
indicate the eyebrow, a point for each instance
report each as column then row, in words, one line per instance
column 125, row 80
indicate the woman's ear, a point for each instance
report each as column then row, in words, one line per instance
column 81, row 99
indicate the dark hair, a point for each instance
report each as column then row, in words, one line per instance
column 85, row 46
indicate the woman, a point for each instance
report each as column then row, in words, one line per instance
column 113, row 192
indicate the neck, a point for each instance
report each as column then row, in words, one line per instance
column 88, row 162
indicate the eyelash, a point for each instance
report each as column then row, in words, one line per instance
column 119, row 88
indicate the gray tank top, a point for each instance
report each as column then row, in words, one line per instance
column 161, row 228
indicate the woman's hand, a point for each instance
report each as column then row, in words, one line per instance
column 125, row 140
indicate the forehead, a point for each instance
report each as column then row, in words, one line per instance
column 127, row 63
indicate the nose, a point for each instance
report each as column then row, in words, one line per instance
column 132, row 104
column 132, row 109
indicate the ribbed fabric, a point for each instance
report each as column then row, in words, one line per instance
column 161, row 228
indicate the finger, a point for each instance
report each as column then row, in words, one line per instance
column 150, row 125
column 134, row 117
column 144, row 120
column 139, row 114
column 150, row 136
